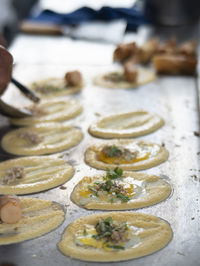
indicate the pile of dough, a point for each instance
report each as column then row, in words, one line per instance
column 39, row 217
column 145, row 234
column 54, row 87
column 142, row 155
column 130, row 191
column 44, row 138
column 126, row 125
column 33, row 174
column 116, row 79
column 50, row 111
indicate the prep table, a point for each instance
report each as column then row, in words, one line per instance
column 174, row 98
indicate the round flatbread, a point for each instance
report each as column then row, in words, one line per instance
column 50, row 111
column 45, row 138
column 136, row 155
column 116, row 80
column 39, row 217
column 54, row 87
column 126, row 125
column 128, row 190
column 33, row 174
column 137, row 235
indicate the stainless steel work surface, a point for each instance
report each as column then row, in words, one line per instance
column 174, row 98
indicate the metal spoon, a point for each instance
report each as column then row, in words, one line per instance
column 11, row 111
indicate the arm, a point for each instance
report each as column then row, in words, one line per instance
column 6, row 61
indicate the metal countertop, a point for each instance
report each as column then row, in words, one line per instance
column 174, row 98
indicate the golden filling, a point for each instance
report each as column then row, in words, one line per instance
column 106, row 234
column 118, row 155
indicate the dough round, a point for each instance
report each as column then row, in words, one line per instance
column 39, row 173
column 50, row 111
column 144, row 190
column 44, row 138
column 144, row 76
column 54, row 87
column 126, row 125
column 152, row 153
column 39, row 217
column 150, row 234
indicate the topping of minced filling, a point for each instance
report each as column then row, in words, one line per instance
column 30, row 137
column 46, row 88
column 37, row 110
column 114, row 151
column 107, row 234
column 13, row 174
column 112, row 186
column 118, row 155
column 114, row 77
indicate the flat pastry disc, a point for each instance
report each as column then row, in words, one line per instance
column 50, row 111
column 44, row 138
column 148, row 234
column 54, row 87
column 126, row 125
column 142, row 189
column 39, row 217
column 39, row 173
column 151, row 154
column 144, row 76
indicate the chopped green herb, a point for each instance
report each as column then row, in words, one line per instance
column 115, row 246
column 114, row 151
column 84, row 232
column 123, row 198
column 93, row 190
column 113, row 174
column 111, row 232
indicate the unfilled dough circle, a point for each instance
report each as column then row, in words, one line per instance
column 126, row 125
column 50, row 111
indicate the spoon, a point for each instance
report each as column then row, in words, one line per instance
column 11, row 111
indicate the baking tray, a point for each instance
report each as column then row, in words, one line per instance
column 176, row 100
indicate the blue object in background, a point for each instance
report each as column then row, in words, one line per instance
column 133, row 17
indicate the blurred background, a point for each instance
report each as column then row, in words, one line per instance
column 165, row 13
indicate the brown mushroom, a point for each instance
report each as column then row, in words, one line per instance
column 73, row 78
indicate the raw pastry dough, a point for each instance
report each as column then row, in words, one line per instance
column 38, row 173
column 125, row 125
column 144, row 76
column 39, row 217
column 44, row 138
column 50, row 111
column 142, row 190
column 147, row 155
column 54, row 87
column 147, row 234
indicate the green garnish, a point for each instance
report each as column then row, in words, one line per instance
column 84, row 232
column 110, row 186
column 111, row 232
column 122, row 197
column 93, row 190
column 113, row 174
column 114, row 151
column 115, row 246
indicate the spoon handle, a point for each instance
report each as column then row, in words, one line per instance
column 27, row 92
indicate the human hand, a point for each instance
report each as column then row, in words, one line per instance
column 6, row 61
